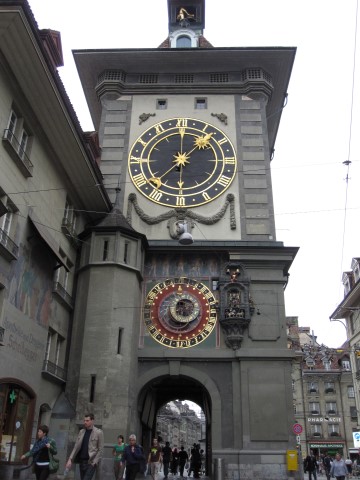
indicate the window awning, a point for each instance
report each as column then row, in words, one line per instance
column 3, row 208
column 43, row 232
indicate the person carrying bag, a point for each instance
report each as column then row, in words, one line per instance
column 43, row 453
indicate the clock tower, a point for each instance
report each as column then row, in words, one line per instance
column 181, row 286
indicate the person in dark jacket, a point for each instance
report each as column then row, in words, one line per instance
column 166, row 458
column 183, row 458
column 133, row 458
column 327, row 466
column 43, row 447
column 310, row 465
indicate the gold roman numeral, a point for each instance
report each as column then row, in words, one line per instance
column 206, row 196
column 139, row 180
column 180, row 201
column 135, row 160
column 182, row 122
column 229, row 160
column 155, row 195
column 159, row 128
column 222, row 140
column 224, row 180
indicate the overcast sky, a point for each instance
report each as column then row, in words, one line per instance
column 314, row 139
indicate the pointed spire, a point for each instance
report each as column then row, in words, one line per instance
column 116, row 218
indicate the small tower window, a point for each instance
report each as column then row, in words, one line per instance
column 161, row 104
column 92, row 388
column 183, row 42
column 106, row 250
column 200, row 103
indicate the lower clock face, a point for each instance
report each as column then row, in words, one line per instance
column 180, row 312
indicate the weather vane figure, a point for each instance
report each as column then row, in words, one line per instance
column 184, row 16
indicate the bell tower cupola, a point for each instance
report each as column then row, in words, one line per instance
column 186, row 23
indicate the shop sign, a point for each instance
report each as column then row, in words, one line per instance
column 326, row 445
column 324, row 419
column 356, row 437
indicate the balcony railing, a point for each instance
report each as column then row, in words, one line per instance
column 329, row 390
column 64, row 297
column 8, row 247
column 17, row 153
column 53, row 371
column 68, row 229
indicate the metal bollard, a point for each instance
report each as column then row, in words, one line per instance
column 219, row 469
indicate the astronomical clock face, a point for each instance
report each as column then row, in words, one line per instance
column 182, row 162
column 180, row 312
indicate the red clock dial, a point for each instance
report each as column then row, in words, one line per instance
column 180, row 312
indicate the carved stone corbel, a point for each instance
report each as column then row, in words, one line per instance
column 145, row 116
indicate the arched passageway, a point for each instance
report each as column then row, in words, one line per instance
column 161, row 390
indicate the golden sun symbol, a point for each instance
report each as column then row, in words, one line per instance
column 181, row 159
column 203, row 142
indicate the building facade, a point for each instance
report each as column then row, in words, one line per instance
column 179, row 289
column 348, row 312
column 323, row 395
column 50, row 184
column 179, row 425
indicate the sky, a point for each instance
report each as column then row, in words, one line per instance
column 316, row 208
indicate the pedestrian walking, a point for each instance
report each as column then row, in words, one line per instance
column 118, row 450
column 310, row 465
column 42, row 451
column 166, row 458
column 133, row 458
column 338, row 468
column 88, row 448
column 155, row 459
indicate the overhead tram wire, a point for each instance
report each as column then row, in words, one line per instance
column 347, row 162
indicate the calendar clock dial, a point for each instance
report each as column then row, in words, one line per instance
column 182, row 162
column 180, row 312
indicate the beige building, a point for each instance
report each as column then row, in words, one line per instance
column 323, row 394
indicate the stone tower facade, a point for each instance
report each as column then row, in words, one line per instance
column 180, row 290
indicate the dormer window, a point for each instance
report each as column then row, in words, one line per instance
column 327, row 364
column 345, row 364
column 183, row 42
column 184, row 38
column 355, row 266
column 346, row 280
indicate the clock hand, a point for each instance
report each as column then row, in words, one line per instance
column 182, row 133
column 180, row 161
column 202, row 142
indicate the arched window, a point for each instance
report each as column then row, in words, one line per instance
column 183, row 42
column 16, row 417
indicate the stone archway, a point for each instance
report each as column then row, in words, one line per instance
column 167, row 382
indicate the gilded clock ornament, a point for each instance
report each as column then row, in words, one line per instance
column 180, row 312
column 182, row 162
